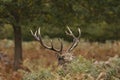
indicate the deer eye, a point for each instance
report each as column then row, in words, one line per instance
column 62, row 56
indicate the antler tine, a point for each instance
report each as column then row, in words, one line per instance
column 37, row 36
column 75, row 39
column 69, row 32
column 40, row 39
column 51, row 44
column 34, row 34
column 79, row 31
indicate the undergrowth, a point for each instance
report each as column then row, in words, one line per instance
column 79, row 69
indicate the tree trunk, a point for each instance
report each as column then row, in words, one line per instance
column 18, row 47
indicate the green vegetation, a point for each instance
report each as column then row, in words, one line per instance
column 99, row 20
column 79, row 69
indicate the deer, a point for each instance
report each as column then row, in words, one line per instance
column 63, row 56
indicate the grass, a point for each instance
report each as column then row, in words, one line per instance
column 93, row 61
column 79, row 69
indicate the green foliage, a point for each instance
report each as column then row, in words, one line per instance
column 96, row 18
column 6, row 32
column 80, row 68
column 81, row 65
column 114, row 68
column 41, row 75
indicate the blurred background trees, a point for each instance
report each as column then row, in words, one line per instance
column 99, row 20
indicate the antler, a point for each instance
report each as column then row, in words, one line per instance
column 37, row 36
column 75, row 39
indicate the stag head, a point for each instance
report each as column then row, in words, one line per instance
column 62, row 56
